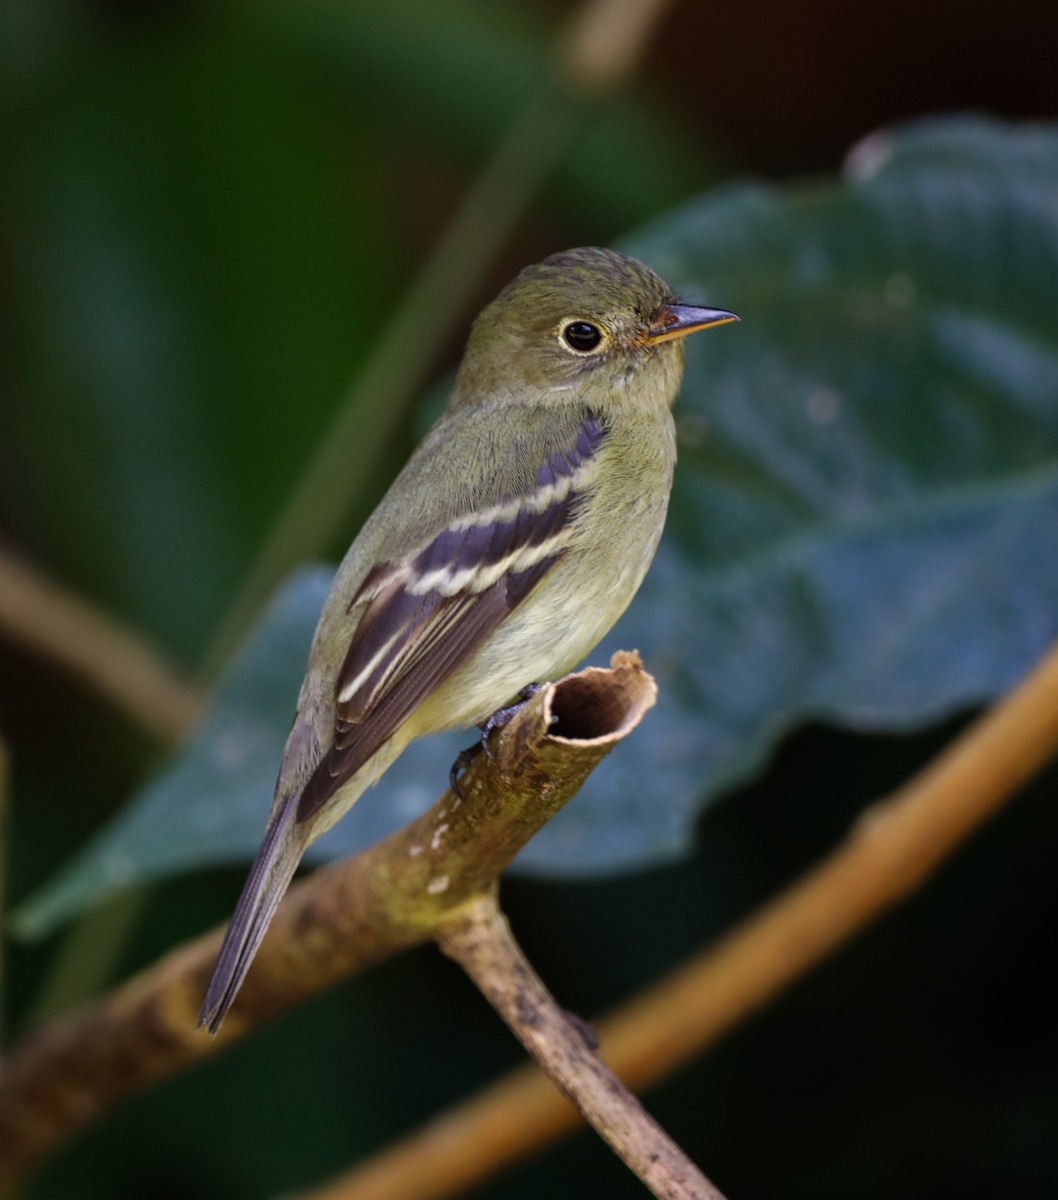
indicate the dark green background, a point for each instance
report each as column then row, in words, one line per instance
column 207, row 214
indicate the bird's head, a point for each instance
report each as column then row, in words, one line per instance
column 591, row 320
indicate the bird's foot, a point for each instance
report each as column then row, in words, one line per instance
column 462, row 760
column 502, row 716
column 496, row 721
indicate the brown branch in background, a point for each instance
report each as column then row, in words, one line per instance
column 480, row 940
column 340, row 921
column 39, row 615
column 894, row 847
column 605, row 41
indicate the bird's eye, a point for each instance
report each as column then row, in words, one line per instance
column 582, row 336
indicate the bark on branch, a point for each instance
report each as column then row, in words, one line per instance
column 480, row 940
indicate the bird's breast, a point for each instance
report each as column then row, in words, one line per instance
column 617, row 520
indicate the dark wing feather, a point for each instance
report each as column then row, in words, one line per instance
column 415, row 633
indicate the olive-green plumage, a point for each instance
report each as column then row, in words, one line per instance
column 511, row 542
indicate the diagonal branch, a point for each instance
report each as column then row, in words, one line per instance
column 480, row 940
column 38, row 614
column 342, row 920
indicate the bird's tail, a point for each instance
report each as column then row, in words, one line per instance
column 273, row 868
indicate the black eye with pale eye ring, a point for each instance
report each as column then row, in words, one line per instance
column 582, row 336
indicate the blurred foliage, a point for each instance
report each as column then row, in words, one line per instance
column 206, row 215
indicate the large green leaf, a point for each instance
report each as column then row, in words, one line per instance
column 862, row 530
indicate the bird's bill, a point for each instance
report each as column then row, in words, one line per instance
column 679, row 320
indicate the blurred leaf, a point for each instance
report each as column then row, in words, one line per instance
column 235, row 751
column 862, row 527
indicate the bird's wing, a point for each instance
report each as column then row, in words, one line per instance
column 424, row 615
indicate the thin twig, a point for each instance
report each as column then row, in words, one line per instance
column 38, row 614
column 893, row 848
column 480, row 940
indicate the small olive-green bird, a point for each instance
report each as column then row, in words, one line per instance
column 513, row 539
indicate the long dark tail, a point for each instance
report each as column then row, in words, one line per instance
column 273, row 868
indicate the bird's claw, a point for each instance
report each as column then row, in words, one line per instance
column 462, row 760
column 502, row 716
column 495, row 721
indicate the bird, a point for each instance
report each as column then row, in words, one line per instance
column 512, row 540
